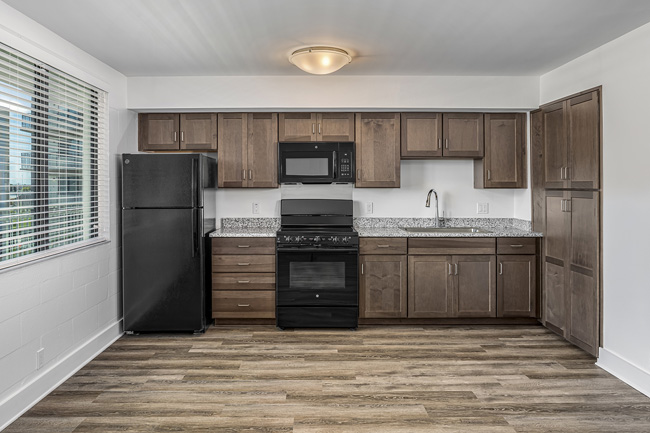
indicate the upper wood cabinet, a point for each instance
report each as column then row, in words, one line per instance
column 248, row 150
column 504, row 163
column 421, row 135
column 434, row 135
column 571, row 142
column 462, row 135
column 170, row 131
column 316, row 127
column 378, row 150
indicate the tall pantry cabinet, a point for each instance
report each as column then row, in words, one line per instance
column 568, row 133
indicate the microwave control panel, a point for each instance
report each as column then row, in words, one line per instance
column 345, row 166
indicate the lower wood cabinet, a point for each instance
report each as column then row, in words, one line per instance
column 382, row 286
column 382, row 278
column 243, row 278
column 243, row 304
column 516, row 286
column 452, row 286
column 571, row 267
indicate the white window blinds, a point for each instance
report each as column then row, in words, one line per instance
column 53, row 160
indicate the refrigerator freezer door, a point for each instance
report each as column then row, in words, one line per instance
column 161, row 181
column 163, row 270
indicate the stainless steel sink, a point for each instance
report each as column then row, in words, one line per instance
column 445, row 230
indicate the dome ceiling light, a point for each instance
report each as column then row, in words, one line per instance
column 320, row 60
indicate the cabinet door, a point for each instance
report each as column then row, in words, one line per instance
column 298, row 127
column 262, row 150
column 158, row 131
column 583, row 270
column 335, row 127
column 463, row 135
column 382, row 286
column 516, row 292
column 377, row 150
column 421, row 135
column 232, row 152
column 504, row 164
column 198, row 131
column 555, row 145
column 475, row 286
column 430, row 286
column 583, row 168
column 556, row 241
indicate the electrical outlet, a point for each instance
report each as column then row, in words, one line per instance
column 482, row 208
column 40, row 358
column 369, row 206
column 256, row 208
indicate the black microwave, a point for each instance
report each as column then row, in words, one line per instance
column 316, row 162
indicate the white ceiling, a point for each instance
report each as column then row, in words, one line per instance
column 385, row 37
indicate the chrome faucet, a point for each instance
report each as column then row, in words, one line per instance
column 428, row 204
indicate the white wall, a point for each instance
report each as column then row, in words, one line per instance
column 453, row 179
column 69, row 305
column 622, row 67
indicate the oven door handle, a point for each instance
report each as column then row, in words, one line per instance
column 317, row 250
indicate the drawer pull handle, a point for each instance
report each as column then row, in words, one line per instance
column 243, row 305
column 243, row 264
column 243, row 246
column 243, row 281
column 383, row 246
column 516, row 246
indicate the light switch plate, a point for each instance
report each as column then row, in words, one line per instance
column 482, row 208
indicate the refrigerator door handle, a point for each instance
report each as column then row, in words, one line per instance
column 195, row 233
column 195, row 181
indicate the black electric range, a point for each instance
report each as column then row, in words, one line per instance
column 317, row 256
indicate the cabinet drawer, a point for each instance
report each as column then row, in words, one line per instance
column 259, row 304
column 243, row 263
column 451, row 245
column 516, row 245
column 243, row 281
column 382, row 246
column 243, row 245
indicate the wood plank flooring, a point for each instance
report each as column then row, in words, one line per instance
column 496, row 379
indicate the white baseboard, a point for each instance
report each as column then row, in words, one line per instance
column 40, row 386
column 623, row 369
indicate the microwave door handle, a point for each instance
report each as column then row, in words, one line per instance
column 334, row 174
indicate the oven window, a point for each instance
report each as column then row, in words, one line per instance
column 306, row 167
column 317, row 275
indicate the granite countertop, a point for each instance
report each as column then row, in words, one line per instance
column 244, row 232
column 497, row 227
column 386, row 227
column 247, row 228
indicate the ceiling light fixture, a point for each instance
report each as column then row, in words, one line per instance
column 320, row 60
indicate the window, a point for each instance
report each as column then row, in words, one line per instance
column 53, row 160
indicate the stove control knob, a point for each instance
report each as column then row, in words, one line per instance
column 287, row 239
column 334, row 239
column 345, row 239
column 316, row 238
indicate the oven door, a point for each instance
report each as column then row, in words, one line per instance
column 317, row 277
column 307, row 163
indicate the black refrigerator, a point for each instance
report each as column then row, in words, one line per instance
column 168, row 209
